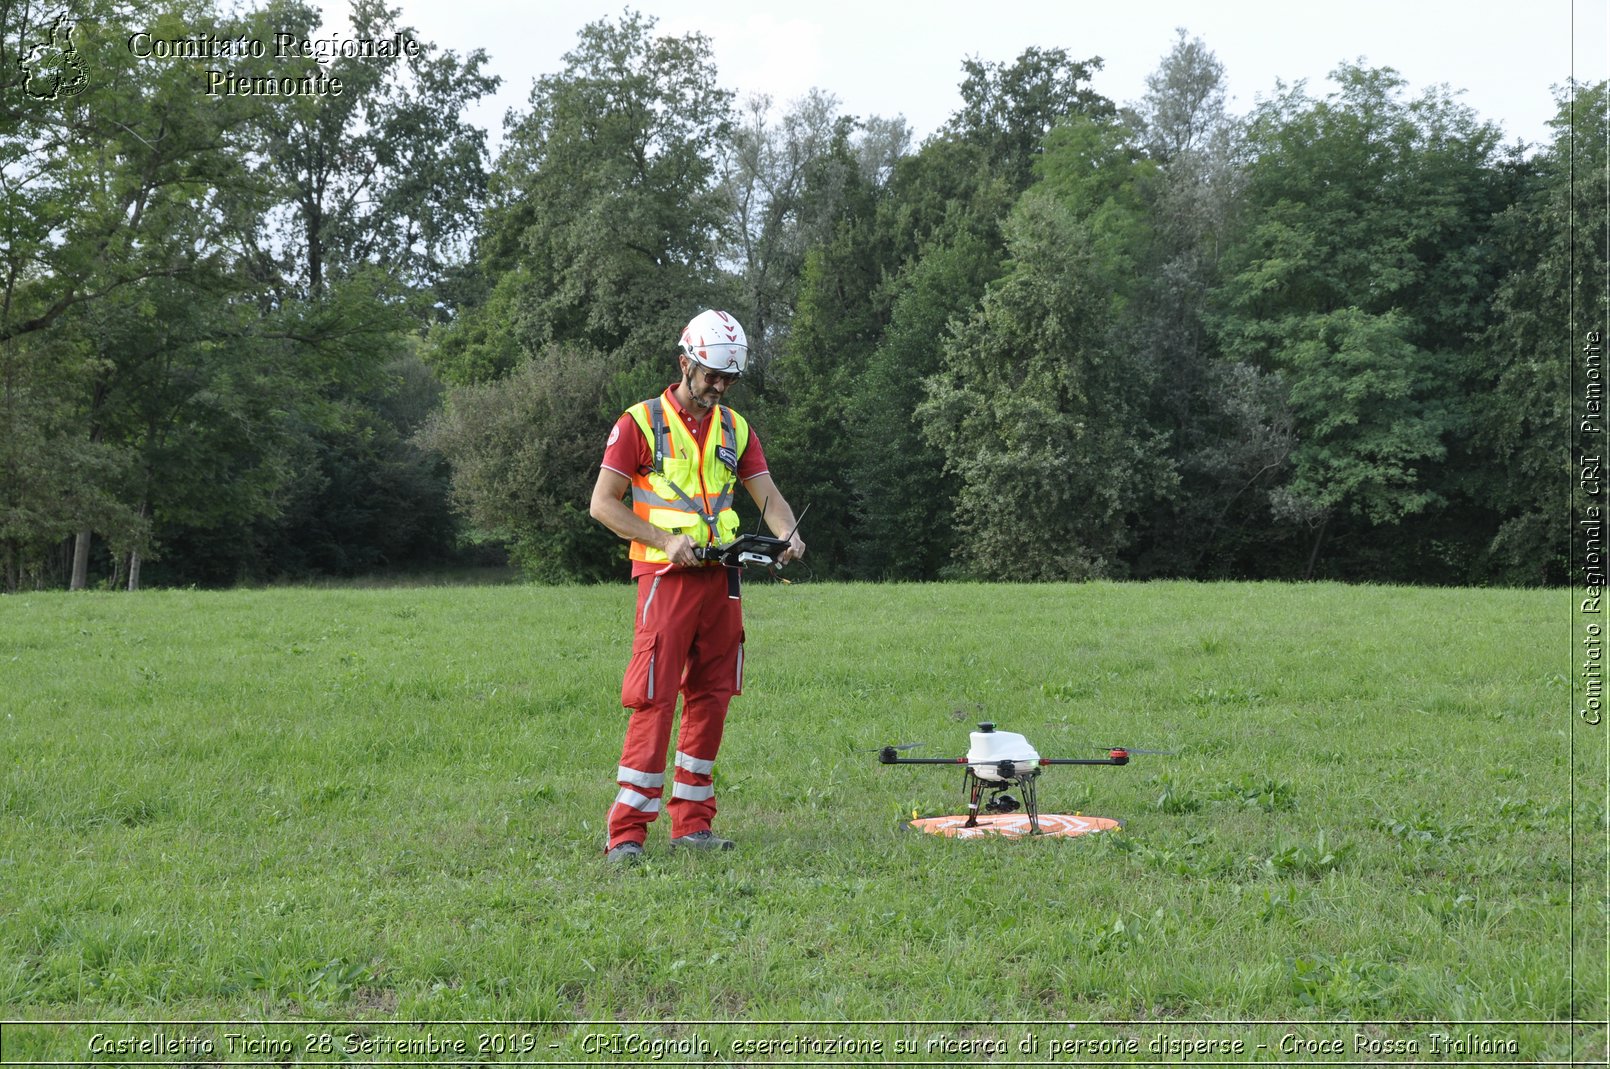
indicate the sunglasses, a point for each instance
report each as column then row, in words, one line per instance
column 725, row 377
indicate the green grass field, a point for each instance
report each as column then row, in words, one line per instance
column 333, row 810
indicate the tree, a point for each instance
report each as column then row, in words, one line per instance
column 901, row 505
column 839, row 316
column 523, row 451
column 1183, row 111
column 803, row 417
column 1228, row 422
column 605, row 210
column 366, row 496
column 1362, row 280
column 54, row 479
column 139, row 236
column 839, row 389
column 112, row 184
column 1007, row 110
column 786, row 184
column 386, row 173
column 600, row 241
column 1553, row 238
column 184, row 387
column 115, row 182
column 1037, row 406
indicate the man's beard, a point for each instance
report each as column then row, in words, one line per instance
column 704, row 402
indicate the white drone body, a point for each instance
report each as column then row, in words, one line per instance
column 990, row 748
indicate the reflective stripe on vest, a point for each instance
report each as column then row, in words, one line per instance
column 686, row 491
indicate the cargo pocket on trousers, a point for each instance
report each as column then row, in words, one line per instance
column 738, row 683
column 638, row 688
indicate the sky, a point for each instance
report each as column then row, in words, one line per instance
column 906, row 59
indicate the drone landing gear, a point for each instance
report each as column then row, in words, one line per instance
column 999, row 801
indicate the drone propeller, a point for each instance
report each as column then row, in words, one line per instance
column 1133, row 750
column 880, row 749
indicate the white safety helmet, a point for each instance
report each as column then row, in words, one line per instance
column 715, row 340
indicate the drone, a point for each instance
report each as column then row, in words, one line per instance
column 998, row 761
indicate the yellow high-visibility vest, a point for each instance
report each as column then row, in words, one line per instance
column 685, row 491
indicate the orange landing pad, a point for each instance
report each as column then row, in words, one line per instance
column 1013, row 824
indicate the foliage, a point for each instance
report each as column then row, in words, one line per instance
column 787, row 185
column 1229, row 426
column 1007, row 109
column 524, row 453
column 114, row 195
column 1368, row 406
column 1358, row 279
column 116, row 183
column 840, row 312
column 1057, row 339
column 1035, row 406
column 1554, row 239
column 1182, row 114
column 227, row 271
column 386, row 173
column 605, row 203
column 359, row 497
column 54, row 479
column 838, row 402
column 893, row 466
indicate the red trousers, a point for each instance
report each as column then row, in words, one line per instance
column 688, row 639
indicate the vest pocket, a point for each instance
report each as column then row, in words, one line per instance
column 637, row 690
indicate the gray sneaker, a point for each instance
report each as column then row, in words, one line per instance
column 626, row 853
column 703, row 840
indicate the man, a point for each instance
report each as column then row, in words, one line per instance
column 680, row 455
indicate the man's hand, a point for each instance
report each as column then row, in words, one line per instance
column 679, row 547
column 608, row 509
column 779, row 517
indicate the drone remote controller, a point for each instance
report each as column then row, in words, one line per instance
column 746, row 549
column 752, row 548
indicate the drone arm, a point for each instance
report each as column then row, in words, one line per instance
column 1116, row 757
column 890, row 756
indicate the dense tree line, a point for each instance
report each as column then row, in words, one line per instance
column 210, row 304
column 244, row 338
